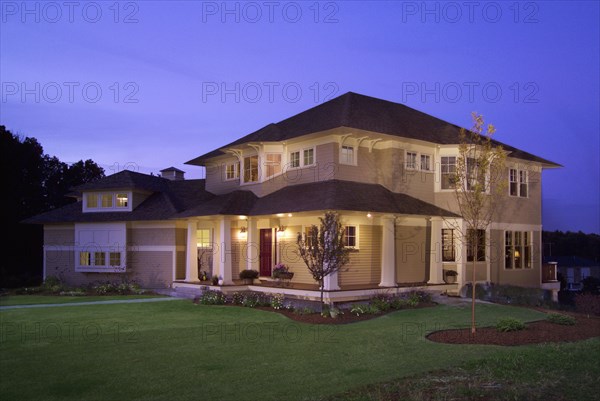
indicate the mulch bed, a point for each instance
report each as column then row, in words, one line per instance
column 535, row 333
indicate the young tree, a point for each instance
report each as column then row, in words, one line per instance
column 323, row 249
column 479, row 185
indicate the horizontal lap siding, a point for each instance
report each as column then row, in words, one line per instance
column 153, row 236
column 289, row 256
column 365, row 264
column 412, row 257
column 60, row 236
column 151, row 269
column 238, row 254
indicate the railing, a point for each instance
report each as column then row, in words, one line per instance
column 549, row 272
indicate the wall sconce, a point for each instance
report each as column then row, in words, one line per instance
column 280, row 231
column 243, row 230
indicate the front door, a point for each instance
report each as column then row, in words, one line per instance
column 266, row 251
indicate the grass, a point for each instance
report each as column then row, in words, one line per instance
column 180, row 351
column 10, row 300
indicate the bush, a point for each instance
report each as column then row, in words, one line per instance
column 564, row 320
column 248, row 274
column 277, row 301
column 251, row 299
column 104, row 288
column 237, row 298
column 364, row 309
column 304, row 311
column 509, row 324
column 588, row 304
column 210, row 297
column 381, row 302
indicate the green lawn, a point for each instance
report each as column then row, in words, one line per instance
column 180, row 351
column 10, row 300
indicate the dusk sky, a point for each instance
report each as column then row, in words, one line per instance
column 149, row 84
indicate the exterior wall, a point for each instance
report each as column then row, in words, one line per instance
column 180, row 269
column 412, row 254
column 289, row 256
column 365, row 263
column 238, row 250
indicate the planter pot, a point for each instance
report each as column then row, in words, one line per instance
column 450, row 279
column 285, row 275
column 248, row 281
column 333, row 313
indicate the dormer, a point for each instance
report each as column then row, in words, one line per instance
column 108, row 201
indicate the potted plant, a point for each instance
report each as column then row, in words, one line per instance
column 451, row 276
column 282, row 272
column 215, row 280
column 248, row 276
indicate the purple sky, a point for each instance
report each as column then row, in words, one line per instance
column 178, row 79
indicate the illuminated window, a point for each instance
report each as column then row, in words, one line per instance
column 92, row 200
column 115, row 258
column 203, row 238
column 517, row 254
column 107, row 200
column 85, row 258
column 122, row 200
column 99, row 259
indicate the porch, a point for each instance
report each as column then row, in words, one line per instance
column 311, row 291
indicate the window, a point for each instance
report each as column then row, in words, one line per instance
column 92, row 200
column 426, row 162
column 273, row 164
column 232, row 171
column 411, row 160
column 517, row 250
column 448, row 254
column 295, row 159
column 122, row 200
column 518, row 182
column 204, row 238
column 350, row 236
column 307, row 236
column 107, row 200
column 99, row 259
column 474, row 175
column 85, row 258
column 472, row 253
column 448, row 166
column 251, row 169
column 309, row 156
column 115, row 258
column 347, row 155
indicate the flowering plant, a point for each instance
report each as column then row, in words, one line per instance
column 280, row 268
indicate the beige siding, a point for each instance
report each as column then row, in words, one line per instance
column 215, row 176
column 480, row 271
column 152, row 269
column 153, row 236
column 59, row 235
column 238, row 254
column 365, row 264
column 412, row 254
column 290, row 257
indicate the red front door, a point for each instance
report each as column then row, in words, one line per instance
column 266, row 251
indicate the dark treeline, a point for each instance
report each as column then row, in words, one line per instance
column 558, row 243
column 34, row 182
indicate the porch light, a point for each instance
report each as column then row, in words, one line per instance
column 289, row 215
column 369, row 215
column 243, row 217
column 279, row 214
column 243, row 230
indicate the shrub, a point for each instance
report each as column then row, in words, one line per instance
column 381, row 302
column 211, row 297
column 75, row 293
column 248, row 274
column 364, row 309
column 399, row 303
column 509, row 324
column 250, row 299
column 588, row 304
column 304, row 311
column 237, row 298
column 104, row 288
column 277, row 301
column 564, row 320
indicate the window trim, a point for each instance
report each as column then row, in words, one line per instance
column 113, row 208
column 442, row 173
column 452, row 246
column 356, row 236
column 236, row 171
column 517, row 182
column 526, row 247
column 104, row 247
column 300, row 152
column 354, row 161
column 408, row 165
column 269, row 163
column 243, row 172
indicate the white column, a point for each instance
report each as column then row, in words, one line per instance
column 461, row 253
column 191, row 250
column 388, row 252
column 331, row 282
column 226, row 250
column 252, row 245
column 435, row 253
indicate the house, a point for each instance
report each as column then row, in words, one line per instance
column 575, row 269
column 386, row 168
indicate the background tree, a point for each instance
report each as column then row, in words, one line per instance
column 323, row 249
column 34, row 182
column 479, row 186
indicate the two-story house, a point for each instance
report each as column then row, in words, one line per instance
column 387, row 169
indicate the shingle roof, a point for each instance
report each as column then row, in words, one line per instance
column 171, row 198
column 353, row 110
column 126, row 179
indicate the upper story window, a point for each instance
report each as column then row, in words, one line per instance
column 273, row 164
column 347, row 155
column 518, row 182
column 426, row 163
column 411, row 160
column 302, row 158
column 107, row 201
column 232, row 171
column 474, row 175
column 251, row 169
column 448, row 169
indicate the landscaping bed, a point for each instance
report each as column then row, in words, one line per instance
column 541, row 331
